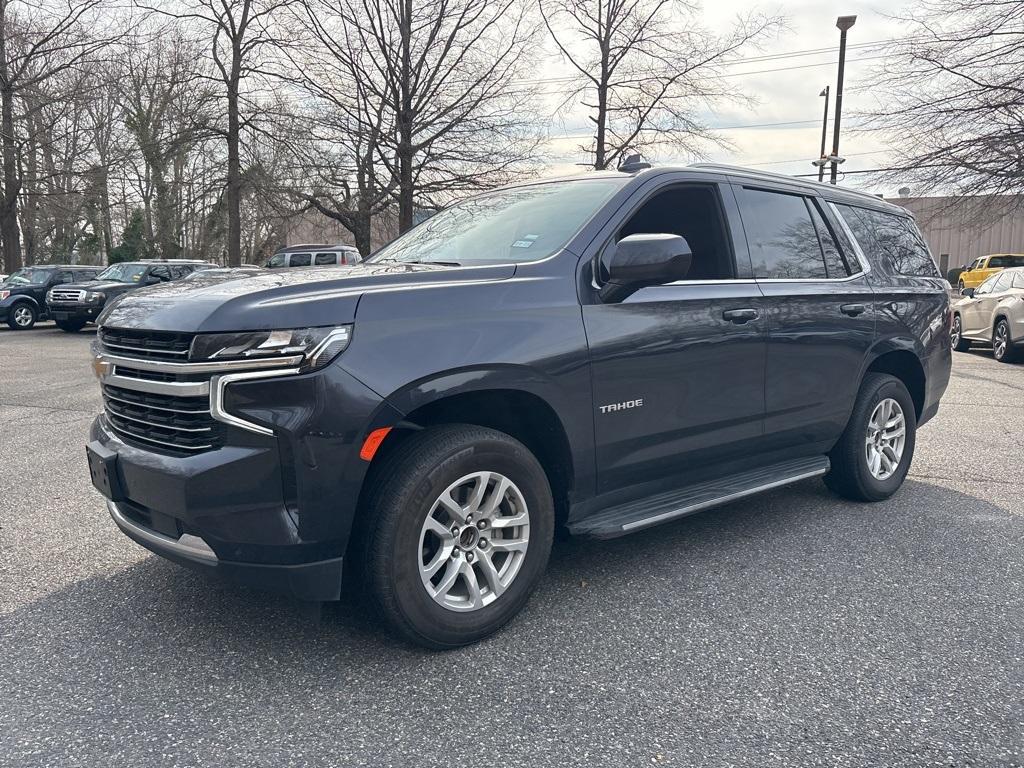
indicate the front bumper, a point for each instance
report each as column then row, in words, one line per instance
column 316, row 581
column 272, row 507
column 69, row 311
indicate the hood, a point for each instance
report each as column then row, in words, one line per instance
column 293, row 298
column 107, row 286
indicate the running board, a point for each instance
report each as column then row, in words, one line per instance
column 637, row 515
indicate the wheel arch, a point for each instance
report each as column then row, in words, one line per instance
column 903, row 362
column 515, row 400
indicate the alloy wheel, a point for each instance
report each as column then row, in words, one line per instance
column 886, row 438
column 1000, row 340
column 23, row 317
column 955, row 332
column 473, row 541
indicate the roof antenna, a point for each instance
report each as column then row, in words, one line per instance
column 634, row 163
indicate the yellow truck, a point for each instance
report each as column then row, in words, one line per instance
column 983, row 267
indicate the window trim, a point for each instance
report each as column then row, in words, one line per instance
column 858, row 252
column 715, row 189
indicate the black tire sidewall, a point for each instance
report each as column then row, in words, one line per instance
column 872, row 487
column 427, row 621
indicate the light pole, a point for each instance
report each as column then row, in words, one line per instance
column 843, row 23
column 824, row 134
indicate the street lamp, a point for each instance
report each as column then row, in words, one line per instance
column 824, row 133
column 843, row 23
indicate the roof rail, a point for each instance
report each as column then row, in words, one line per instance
column 739, row 170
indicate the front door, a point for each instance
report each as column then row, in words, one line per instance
column 678, row 370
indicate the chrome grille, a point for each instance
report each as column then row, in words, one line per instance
column 146, row 345
column 166, row 422
column 67, row 295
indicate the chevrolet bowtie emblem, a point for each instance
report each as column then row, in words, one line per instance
column 101, row 367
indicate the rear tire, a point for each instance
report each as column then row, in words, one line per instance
column 70, row 326
column 870, row 464
column 22, row 316
column 483, row 574
column 956, row 336
column 1002, row 343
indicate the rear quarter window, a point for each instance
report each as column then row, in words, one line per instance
column 891, row 237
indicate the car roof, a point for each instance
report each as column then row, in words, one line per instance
column 61, row 266
column 317, row 247
column 735, row 172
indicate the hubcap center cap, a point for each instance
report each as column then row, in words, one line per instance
column 469, row 537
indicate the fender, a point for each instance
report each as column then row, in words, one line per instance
column 573, row 416
column 16, row 297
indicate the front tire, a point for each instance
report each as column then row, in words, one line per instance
column 956, row 336
column 1002, row 343
column 459, row 534
column 871, row 459
column 22, row 316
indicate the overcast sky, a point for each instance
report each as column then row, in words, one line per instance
column 789, row 94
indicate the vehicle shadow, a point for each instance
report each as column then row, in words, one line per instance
column 796, row 583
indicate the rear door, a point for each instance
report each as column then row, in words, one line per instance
column 678, row 370
column 821, row 316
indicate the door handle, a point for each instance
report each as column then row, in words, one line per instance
column 853, row 309
column 739, row 316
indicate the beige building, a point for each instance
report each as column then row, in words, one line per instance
column 959, row 229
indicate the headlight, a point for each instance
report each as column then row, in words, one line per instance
column 49, row 295
column 95, row 296
column 4, row 295
column 318, row 346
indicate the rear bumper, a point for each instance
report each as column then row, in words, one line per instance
column 316, row 581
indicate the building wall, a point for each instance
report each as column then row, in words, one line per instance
column 959, row 229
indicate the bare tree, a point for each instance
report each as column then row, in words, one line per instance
column 646, row 69
column 166, row 100
column 38, row 40
column 436, row 82
column 951, row 98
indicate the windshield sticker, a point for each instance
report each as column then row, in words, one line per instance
column 522, row 243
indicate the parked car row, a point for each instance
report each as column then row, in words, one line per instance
column 73, row 295
column 992, row 314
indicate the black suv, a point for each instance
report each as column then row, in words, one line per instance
column 23, row 293
column 72, row 306
column 603, row 353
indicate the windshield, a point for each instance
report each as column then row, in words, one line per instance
column 123, row 273
column 510, row 225
column 28, row 277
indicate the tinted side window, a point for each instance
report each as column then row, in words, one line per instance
column 160, row 273
column 84, row 275
column 781, row 236
column 277, row 260
column 300, row 259
column 835, row 261
column 64, row 277
column 323, row 259
column 894, row 238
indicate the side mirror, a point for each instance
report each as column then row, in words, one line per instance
column 645, row 259
column 968, row 292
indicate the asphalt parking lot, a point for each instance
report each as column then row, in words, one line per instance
column 793, row 629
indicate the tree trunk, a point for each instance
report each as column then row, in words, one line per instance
column 10, row 233
column 234, row 182
column 405, row 149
